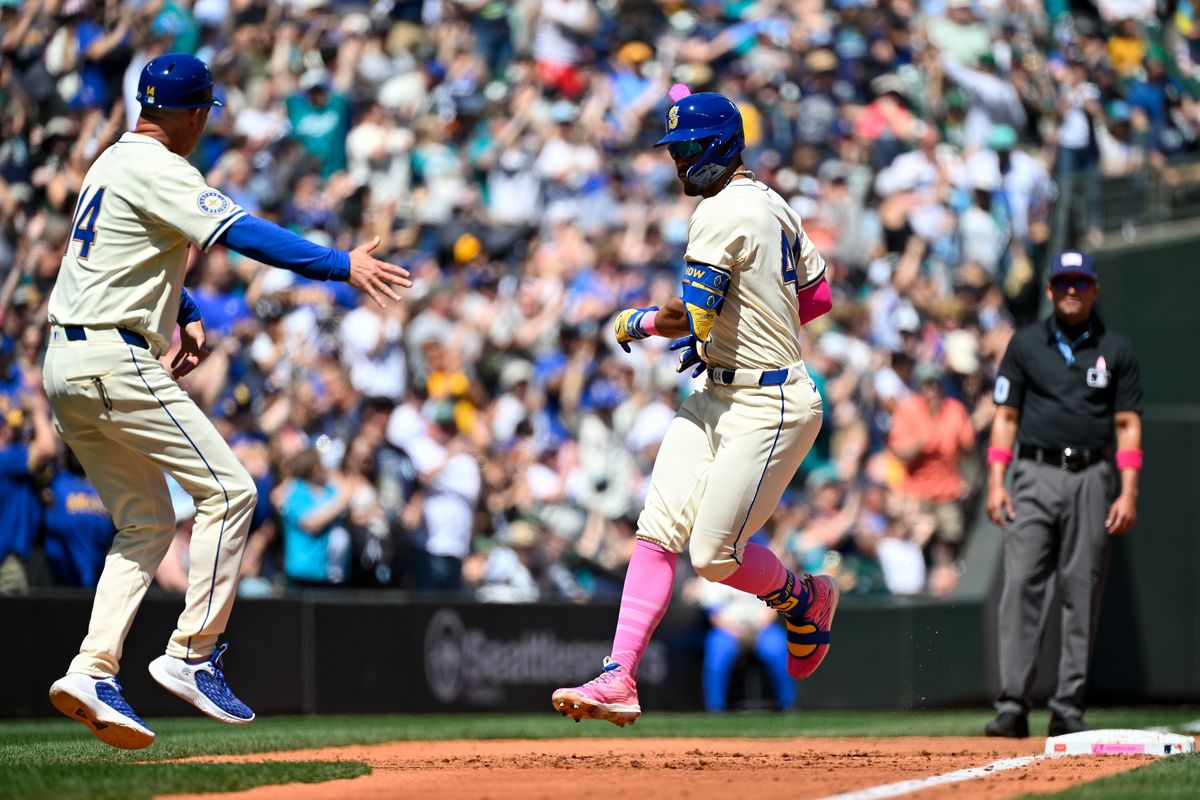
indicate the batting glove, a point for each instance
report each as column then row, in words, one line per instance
column 628, row 326
column 689, row 355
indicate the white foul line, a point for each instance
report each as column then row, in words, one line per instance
column 917, row 784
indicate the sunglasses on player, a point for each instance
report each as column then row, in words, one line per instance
column 685, row 150
column 1078, row 283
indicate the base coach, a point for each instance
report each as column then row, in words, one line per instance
column 1067, row 387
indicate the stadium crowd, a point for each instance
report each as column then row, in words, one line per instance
column 487, row 436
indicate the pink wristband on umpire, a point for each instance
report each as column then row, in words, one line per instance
column 1129, row 459
column 648, row 323
column 999, row 455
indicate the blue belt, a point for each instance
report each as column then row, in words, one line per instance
column 75, row 333
column 768, row 377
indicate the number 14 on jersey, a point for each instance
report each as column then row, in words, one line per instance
column 791, row 260
column 83, row 229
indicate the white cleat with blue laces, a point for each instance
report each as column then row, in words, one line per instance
column 99, row 704
column 203, row 685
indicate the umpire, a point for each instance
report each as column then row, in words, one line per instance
column 1065, row 386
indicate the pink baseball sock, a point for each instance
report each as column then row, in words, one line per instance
column 761, row 571
column 644, row 600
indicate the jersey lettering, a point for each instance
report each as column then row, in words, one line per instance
column 84, row 231
column 791, row 260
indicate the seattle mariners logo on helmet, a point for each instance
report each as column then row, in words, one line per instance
column 705, row 124
column 176, row 80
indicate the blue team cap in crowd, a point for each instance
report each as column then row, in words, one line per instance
column 1072, row 262
column 601, row 395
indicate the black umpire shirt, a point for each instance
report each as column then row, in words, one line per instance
column 1068, row 404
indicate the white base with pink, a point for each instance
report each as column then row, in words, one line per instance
column 1118, row 742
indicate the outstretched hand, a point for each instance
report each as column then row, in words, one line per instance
column 376, row 278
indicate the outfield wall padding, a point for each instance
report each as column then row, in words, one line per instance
column 386, row 653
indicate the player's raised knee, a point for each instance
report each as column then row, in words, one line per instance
column 242, row 492
column 714, row 563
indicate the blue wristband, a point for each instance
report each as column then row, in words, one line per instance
column 189, row 312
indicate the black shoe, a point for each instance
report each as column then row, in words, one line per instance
column 1009, row 724
column 1060, row 725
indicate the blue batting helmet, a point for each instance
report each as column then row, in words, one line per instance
column 176, row 80
column 706, row 123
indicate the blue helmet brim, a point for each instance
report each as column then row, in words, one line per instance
column 212, row 102
column 685, row 135
column 198, row 97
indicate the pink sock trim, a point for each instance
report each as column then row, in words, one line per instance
column 644, row 600
column 761, row 571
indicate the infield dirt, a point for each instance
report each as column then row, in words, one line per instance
column 672, row 769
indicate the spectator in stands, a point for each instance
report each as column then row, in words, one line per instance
column 930, row 432
column 498, row 149
column 316, row 543
column 320, row 117
column 507, row 571
column 78, row 529
column 738, row 625
column 449, row 481
column 22, row 473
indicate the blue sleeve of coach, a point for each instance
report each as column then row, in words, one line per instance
column 189, row 312
column 267, row 242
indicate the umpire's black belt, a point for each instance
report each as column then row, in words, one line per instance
column 77, row 333
column 1072, row 459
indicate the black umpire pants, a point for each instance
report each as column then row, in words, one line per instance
column 1058, row 537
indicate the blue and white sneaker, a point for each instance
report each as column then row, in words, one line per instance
column 98, row 704
column 203, row 685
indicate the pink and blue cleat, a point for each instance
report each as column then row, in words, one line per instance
column 612, row 695
column 808, row 618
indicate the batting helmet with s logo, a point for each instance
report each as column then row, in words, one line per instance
column 708, row 124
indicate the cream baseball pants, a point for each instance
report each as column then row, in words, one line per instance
column 128, row 423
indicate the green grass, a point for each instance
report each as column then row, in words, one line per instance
column 117, row 781
column 58, row 758
column 1174, row 778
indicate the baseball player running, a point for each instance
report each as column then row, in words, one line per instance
column 752, row 277
column 112, row 313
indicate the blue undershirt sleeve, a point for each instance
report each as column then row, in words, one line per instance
column 267, row 242
column 189, row 312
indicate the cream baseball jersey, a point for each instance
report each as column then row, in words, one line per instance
column 140, row 208
column 747, row 243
